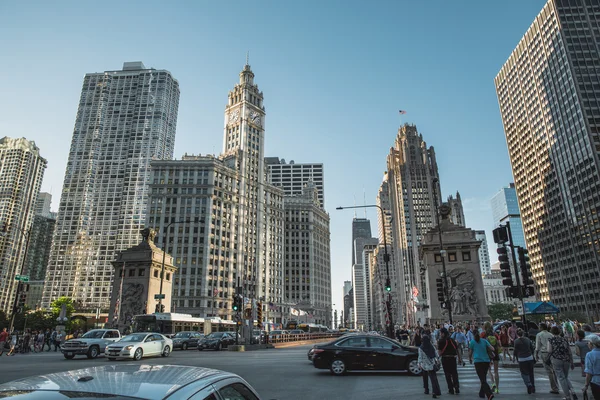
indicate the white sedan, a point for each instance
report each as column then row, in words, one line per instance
column 138, row 345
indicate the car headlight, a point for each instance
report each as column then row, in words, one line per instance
column 128, row 347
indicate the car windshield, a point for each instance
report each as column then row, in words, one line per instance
column 183, row 335
column 93, row 335
column 133, row 338
column 215, row 335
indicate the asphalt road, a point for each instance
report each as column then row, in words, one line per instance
column 287, row 374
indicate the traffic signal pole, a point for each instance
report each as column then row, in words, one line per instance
column 517, row 277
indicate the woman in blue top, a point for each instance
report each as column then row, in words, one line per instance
column 478, row 353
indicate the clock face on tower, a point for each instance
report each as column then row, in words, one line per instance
column 255, row 118
column 234, row 116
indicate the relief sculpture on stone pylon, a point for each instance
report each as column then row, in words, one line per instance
column 463, row 297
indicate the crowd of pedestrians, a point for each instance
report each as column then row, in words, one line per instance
column 444, row 347
column 27, row 341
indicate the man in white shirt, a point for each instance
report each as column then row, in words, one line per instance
column 541, row 346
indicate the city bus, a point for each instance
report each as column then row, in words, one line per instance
column 312, row 328
column 171, row 323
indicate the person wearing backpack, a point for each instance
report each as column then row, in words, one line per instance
column 493, row 339
column 448, row 350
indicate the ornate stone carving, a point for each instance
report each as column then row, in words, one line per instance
column 463, row 296
column 148, row 234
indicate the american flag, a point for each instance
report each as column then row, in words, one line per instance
column 272, row 307
column 402, row 112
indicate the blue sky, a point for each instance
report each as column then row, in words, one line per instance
column 334, row 75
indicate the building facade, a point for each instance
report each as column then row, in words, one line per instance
column 413, row 183
column 495, row 291
column 348, row 302
column 42, row 205
column 362, row 283
column 292, row 177
column 307, row 266
column 233, row 241
column 547, row 91
column 125, row 119
column 361, row 228
column 484, row 253
column 21, row 173
column 505, row 208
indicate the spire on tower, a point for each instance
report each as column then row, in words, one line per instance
column 247, row 57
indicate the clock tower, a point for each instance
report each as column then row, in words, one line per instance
column 244, row 139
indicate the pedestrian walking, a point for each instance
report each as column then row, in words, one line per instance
column 505, row 343
column 490, row 336
column 541, row 350
column 479, row 354
column 53, row 337
column 47, row 339
column 430, row 364
column 592, row 367
column 3, row 340
column 523, row 354
column 562, row 360
column 417, row 338
column 448, row 350
column 13, row 343
column 581, row 349
column 461, row 339
column 403, row 336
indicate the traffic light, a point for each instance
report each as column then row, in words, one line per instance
column 236, row 303
column 500, row 235
column 526, row 275
column 504, row 266
column 162, row 308
column 439, row 283
column 259, row 312
column 388, row 285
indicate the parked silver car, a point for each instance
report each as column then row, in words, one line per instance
column 132, row 381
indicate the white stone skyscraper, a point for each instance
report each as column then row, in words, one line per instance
column 292, row 177
column 125, row 119
column 234, row 237
column 548, row 95
column 21, row 172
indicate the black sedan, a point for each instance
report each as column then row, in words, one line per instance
column 217, row 341
column 365, row 352
column 186, row 339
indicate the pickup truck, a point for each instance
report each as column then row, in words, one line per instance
column 91, row 344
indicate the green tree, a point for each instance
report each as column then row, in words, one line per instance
column 501, row 311
column 57, row 304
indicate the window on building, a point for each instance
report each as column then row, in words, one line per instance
column 438, row 258
column 141, row 272
column 451, row 256
column 466, row 256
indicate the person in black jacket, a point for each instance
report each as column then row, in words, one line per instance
column 448, row 350
column 524, row 355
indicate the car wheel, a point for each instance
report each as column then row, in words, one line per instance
column 93, row 352
column 166, row 351
column 184, row 346
column 200, row 348
column 69, row 357
column 338, row 367
column 413, row 367
column 218, row 346
column 139, row 353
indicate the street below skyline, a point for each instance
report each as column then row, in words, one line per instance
column 287, row 374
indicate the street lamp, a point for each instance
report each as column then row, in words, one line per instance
column 27, row 235
column 442, row 252
column 386, row 258
column 159, row 307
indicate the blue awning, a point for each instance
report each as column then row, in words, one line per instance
column 541, row 307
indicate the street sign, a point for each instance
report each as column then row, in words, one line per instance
column 22, row 278
column 159, row 296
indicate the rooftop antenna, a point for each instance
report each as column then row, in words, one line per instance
column 355, row 206
column 365, row 201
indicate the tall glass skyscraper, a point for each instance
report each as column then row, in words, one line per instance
column 505, row 208
column 125, row 119
column 549, row 96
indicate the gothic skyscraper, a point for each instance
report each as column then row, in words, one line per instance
column 125, row 119
column 414, row 185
